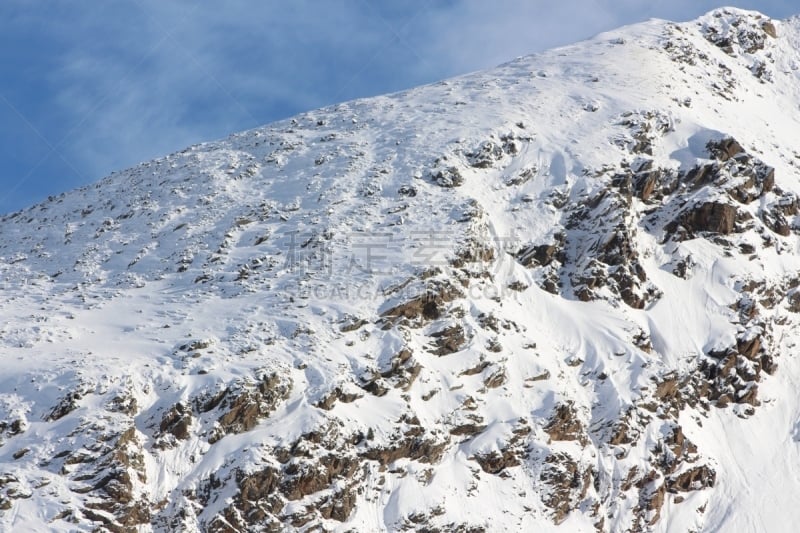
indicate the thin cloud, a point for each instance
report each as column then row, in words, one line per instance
column 112, row 84
column 177, row 76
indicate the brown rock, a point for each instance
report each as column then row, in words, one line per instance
column 68, row 403
column 794, row 301
column 567, row 485
column 427, row 306
column 420, row 448
column 710, row 217
column 565, row 425
column 449, row 340
column 313, row 476
column 337, row 394
column 647, row 185
column 448, row 177
column 654, row 501
column 496, row 462
column 495, row 379
column 750, row 347
column 776, row 222
column 176, row 421
column 340, row 505
column 724, row 149
column 477, row 369
column 542, row 255
column 248, row 405
column 701, row 175
column 352, row 325
column 257, row 500
column 113, row 486
column 469, row 430
column 697, row 478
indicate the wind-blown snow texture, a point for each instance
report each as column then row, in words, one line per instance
column 557, row 295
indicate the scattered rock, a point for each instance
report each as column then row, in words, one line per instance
column 496, row 462
column 246, row 404
column 565, row 425
column 353, row 325
column 567, row 484
column 495, row 379
column 116, row 503
column 696, row 478
column 448, row 177
column 19, row 454
column 69, row 402
column 769, row 29
column 724, row 149
column 417, row 447
column 426, row 306
column 486, row 155
column 176, row 421
column 713, row 217
column 542, row 254
column 449, row 340
column 337, row 394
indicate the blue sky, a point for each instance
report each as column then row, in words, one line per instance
column 87, row 88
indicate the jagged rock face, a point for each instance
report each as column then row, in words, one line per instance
column 569, row 284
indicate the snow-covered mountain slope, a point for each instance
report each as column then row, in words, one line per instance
column 560, row 295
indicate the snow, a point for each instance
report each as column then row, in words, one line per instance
column 265, row 244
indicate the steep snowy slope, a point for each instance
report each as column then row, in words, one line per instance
column 560, row 295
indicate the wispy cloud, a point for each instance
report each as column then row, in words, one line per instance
column 110, row 84
column 135, row 79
